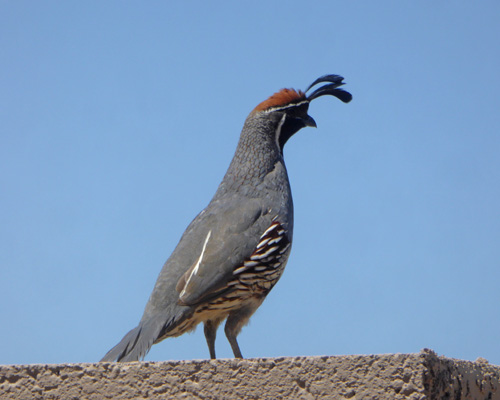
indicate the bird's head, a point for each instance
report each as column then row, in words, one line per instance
column 288, row 107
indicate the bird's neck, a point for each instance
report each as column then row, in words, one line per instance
column 256, row 156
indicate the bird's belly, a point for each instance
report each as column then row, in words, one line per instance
column 248, row 291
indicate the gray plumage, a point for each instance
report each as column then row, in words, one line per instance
column 235, row 250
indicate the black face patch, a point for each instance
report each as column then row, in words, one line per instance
column 290, row 127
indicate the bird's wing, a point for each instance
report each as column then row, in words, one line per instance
column 226, row 236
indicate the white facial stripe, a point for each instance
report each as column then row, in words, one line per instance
column 278, row 133
column 272, row 109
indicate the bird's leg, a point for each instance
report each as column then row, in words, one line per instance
column 210, row 329
column 232, row 328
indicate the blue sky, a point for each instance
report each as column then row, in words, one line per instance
column 119, row 119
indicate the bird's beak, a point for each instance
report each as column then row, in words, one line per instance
column 309, row 121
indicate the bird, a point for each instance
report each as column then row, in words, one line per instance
column 235, row 250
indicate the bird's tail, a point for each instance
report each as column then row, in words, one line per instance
column 135, row 344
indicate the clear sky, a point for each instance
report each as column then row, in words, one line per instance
column 118, row 120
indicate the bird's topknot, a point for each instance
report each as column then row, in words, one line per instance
column 281, row 98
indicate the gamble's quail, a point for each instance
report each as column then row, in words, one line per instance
column 235, row 250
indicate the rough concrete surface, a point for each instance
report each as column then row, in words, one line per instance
column 389, row 376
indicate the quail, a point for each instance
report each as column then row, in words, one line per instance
column 235, row 250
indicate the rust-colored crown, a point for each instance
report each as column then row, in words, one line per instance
column 281, row 98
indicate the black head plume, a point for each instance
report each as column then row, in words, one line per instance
column 330, row 89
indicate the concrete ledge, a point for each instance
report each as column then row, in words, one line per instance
column 390, row 376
